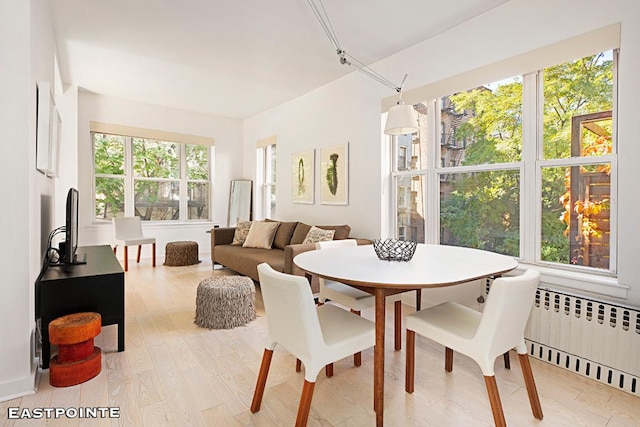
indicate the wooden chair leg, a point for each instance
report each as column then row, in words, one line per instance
column 153, row 255
column 139, row 250
column 532, row 391
column 494, row 399
column 115, row 248
column 507, row 360
column 398, row 325
column 305, row 404
column 410, row 363
column 262, row 380
column 328, row 370
column 357, row 357
column 418, row 299
column 448, row 359
column 298, row 365
column 126, row 258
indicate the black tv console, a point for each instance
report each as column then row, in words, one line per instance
column 96, row 286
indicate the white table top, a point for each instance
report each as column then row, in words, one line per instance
column 431, row 266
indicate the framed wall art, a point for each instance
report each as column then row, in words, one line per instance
column 302, row 177
column 48, row 130
column 44, row 110
column 334, row 175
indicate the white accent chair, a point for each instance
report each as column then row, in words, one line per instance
column 482, row 336
column 316, row 335
column 128, row 232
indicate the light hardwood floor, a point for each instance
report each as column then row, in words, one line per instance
column 174, row 373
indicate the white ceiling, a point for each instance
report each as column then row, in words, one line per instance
column 234, row 58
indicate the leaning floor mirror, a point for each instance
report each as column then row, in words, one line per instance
column 240, row 197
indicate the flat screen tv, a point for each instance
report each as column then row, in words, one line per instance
column 71, row 229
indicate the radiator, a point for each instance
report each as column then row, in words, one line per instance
column 596, row 339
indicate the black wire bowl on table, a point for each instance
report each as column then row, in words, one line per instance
column 394, row 249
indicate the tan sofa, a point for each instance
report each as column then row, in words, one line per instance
column 287, row 243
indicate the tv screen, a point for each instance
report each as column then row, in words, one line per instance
column 71, row 228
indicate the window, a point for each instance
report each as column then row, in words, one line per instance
column 153, row 179
column 266, row 173
column 109, row 175
column 479, row 201
column 409, row 186
column 577, row 161
column 532, row 182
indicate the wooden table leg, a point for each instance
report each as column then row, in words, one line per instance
column 378, row 358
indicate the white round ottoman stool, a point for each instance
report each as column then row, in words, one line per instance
column 224, row 302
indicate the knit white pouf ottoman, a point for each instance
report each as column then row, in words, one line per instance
column 224, row 302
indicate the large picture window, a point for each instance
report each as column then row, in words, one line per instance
column 523, row 166
column 153, row 179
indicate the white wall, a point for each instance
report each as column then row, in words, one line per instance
column 228, row 163
column 332, row 115
column 27, row 46
column 349, row 110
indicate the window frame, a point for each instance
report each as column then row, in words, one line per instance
column 531, row 165
column 265, row 154
column 129, row 180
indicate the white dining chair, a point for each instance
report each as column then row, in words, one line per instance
column 345, row 295
column 353, row 298
column 316, row 335
column 128, row 232
column 481, row 336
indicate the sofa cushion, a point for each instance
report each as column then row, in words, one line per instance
column 246, row 260
column 240, row 235
column 261, row 235
column 284, row 233
column 342, row 231
column 300, row 233
column 316, row 234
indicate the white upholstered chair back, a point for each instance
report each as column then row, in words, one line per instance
column 336, row 244
column 291, row 314
column 127, row 228
column 324, row 292
column 505, row 316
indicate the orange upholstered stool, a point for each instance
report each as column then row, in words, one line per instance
column 77, row 360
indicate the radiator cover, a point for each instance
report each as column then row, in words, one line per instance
column 597, row 339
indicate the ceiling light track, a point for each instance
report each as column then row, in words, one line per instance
column 401, row 118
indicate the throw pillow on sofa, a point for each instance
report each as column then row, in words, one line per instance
column 316, row 235
column 240, row 235
column 261, row 235
column 302, row 229
column 284, row 233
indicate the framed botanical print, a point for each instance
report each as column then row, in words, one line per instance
column 334, row 175
column 302, row 177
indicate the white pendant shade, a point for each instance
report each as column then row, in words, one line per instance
column 401, row 119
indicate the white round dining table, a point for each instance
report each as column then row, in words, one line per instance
column 431, row 266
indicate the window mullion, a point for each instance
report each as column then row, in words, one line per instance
column 530, row 209
column 183, row 203
column 432, row 198
column 128, row 177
